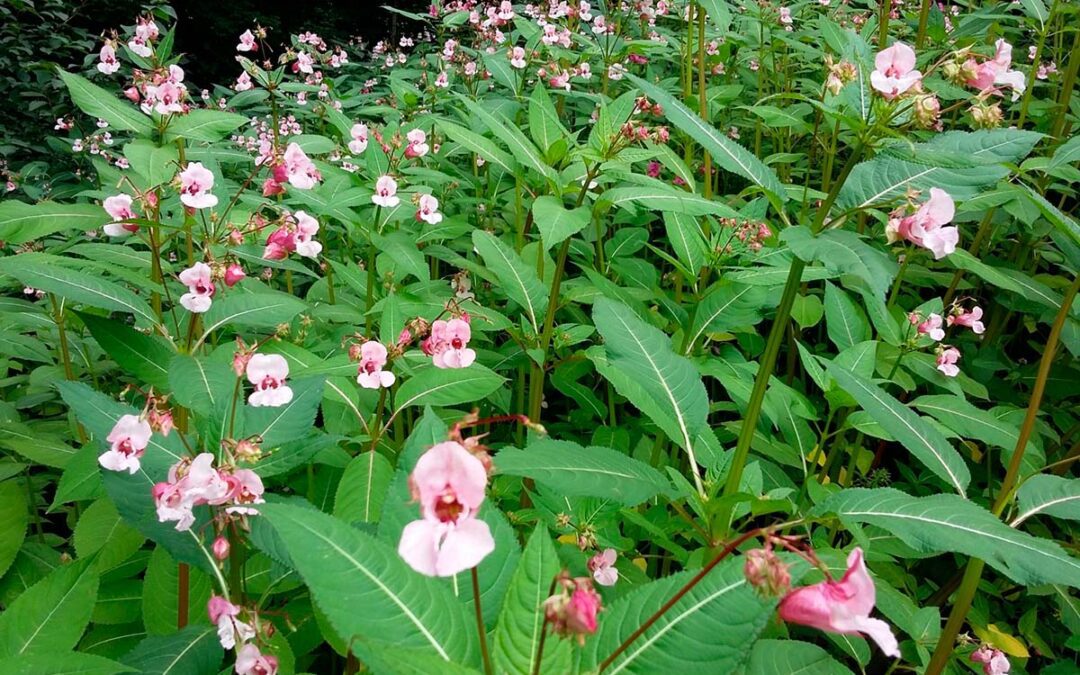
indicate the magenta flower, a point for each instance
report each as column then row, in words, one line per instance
column 994, row 660
column 946, row 361
column 268, row 372
column 448, row 344
column 582, row 610
column 200, row 282
column 119, row 209
column 196, row 181
column 233, row 274
column 932, row 327
column 280, row 244
column 449, row 483
column 223, row 613
column 190, row 483
column 972, row 320
column 894, row 71
column 386, row 192
column 926, row 227
column 108, row 64
column 128, row 439
column 602, row 566
column 359, row 142
column 370, row 374
column 301, row 171
column 428, row 210
column 250, row 661
column 841, row 606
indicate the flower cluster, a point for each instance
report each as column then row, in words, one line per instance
column 926, row 226
column 195, row 482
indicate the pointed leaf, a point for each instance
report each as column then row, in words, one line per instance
column 518, row 280
column 51, row 615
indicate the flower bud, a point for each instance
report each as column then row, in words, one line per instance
column 233, row 274
column 221, row 548
column 766, row 573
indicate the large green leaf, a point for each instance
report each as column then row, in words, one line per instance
column 686, row 239
column 660, row 197
column 157, row 164
column 51, row 615
column 520, row 146
column 556, row 222
column 1050, row 495
column 160, row 599
column 518, row 280
column 981, row 425
column 201, row 384
column 204, row 125
column 98, row 102
column 844, row 319
column 924, row 441
column 100, row 532
column 15, row 516
column 72, row 663
column 574, row 471
column 521, row 621
column 366, row 590
column 145, row 356
column 478, row 145
column 843, row 252
column 194, row 650
column 260, row 310
column 21, row 222
column 288, row 422
column 447, row 386
column 945, row 522
column 644, row 354
column 788, row 657
column 544, row 124
column 727, row 154
column 362, row 488
column 727, row 305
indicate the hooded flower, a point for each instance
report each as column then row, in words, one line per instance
column 280, row 244
column 994, row 660
column 306, row 228
column 223, row 613
column 199, row 280
column 190, row 483
column 996, row 73
column 448, row 344
column 108, row 64
column 127, row 441
column 841, row 606
column 946, row 361
column 932, row 327
column 246, row 488
column 301, row 171
column 449, row 483
column 417, row 146
column 894, row 71
column 386, row 192
column 247, row 42
column 926, row 227
column 428, row 210
column 250, row 661
column 972, row 320
column 359, row 142
column 196, row 181
column 602, row 566
column 119, row 209
column 517, row 57
column 370, row 374
column 268, row 372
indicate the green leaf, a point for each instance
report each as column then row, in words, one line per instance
column 544, row 124
column 400, row 248
column 289, row 422
column 844, row 319
column 1049, row 495
column 145, row 356
column 727, row 305
column 51, row 615
column 520, row 147
column 787, row 657
column 201, row 384
column 204, row 125
column 923, row 440
column 845, row 253
column 363, row 487
column 81, row 479
column 727, row 154
column 477, row 144
column 951, row 523
column 73, row 663
column 100, row 532
column 574, row 471
column 77, row 286
column 644, row 354
column 556, row 222
column 346, row 569
column 1005, row 278
column 447, row 386
column 521, row 621
column 659, row 197
column 194, row 650
column 518, row 280
column 160, row 599
column 258, row 310
column 1036, row 10
column 15, row 517
column 98, row 102
column 21, row 222
column 968, row 421
column 684, row 235
column 156, row 164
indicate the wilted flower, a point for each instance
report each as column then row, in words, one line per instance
column 765, row 571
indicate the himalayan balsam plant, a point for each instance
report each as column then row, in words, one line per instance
column 649, row 336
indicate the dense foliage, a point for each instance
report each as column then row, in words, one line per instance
column 614, row 337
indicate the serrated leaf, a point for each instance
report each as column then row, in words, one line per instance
column 520, row 147
column 660, row 197
column 98, row 102
column 15, row 517
column 556, row 222
column 519, row 281
column 204, row 125
column 684, row 235
column 728, row 305
column 260, row 310
column 51, row 615
column 145, row 356
column 288, row 422
column 447, row 386
column 73, row 663
column 362, row 488
column 1050, row 495
column 843, row 252
column 194, row 650
column 156, row 164
column 787, row 657
column 844, row 319
column 21, row 222
column 478, row 145
column 160, row 599
column 100, row 531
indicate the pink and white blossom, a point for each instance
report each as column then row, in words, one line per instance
column 359, row 142
column 894, row 71
column 926, row 227
column 199, row 279
column 448, row 344
column 386, row 192
column 306, row 228
column 932, row 327
column 946, row 361
column 371, row 373
column 428, row 210
column 107, row 61
column 267, row 372
column 247, row 42
column 996, row 72
column 190, row 483
column 602, row 566
column 418, row 146
column 994, row 660
column 127, row 442
column 223, row 614
column 250, row 661
column 196, row 181
column 972, row 320
column 243, row 83
column 299, row 168
column 517, row 57
column 119, row 209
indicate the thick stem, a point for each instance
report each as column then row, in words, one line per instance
column 703, row 105
column 183, row 574
column 883, row 23
column 481, row 631
column 924, row 16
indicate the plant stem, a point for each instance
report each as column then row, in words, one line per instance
column 973, row 573
column 703, row 104
column 924, row 16
column 883, row 23
column 481, row 631
column 183, row 577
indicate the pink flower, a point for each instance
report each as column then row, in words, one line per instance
column 196, row 181
column 370, row 374
column 301, row 171
column 246, row 487
column 653, row 170
column 442, row 80
column 418, row 146
column 224, row 613
column 280, row 244
column 994, row 660
column 449, row 483
column 306, row 228
column 785, row 17
column 271, row 188
column 190, row 483
column 841, row 606
column 303, row 63
column 128, row 439
column 221, row 548
column 582, row 609
column 972, row 320
column 268, row 372
column 386, row 192
column 946, row 361
column 108, row 64
column 448, row 344
column 250, row 661
column 932, row 327
column 233, row 274
column 765, row 571
column 243, row 83
column 119, row 208
column 428, row 210
column 247, row 42
column 996, row 72
column 926, row 226
column 199, row 280
column 602, row 566
column 894, row 71
column 517, row 57
column 358, row 144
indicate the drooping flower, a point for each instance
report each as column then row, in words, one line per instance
column 841, row 606
column 386, row 192
column 418, row 146
column 246, row 488
column 268, row 372
column 995, row 72
column 200, row 282
column 247, row 42
column 306, row 228
column 243, row 83
column 127, row 442
column 233, row 274
column 191, row 483
column 449, row 484
column 119, row 208
column 448, row 344
column 108, row 63
column 946, row 361
column 302, row 172
column 602, row 566
column 280, row 244
column 370, row 374
column 304, row 63
column 196, row 181
column 428, row 210
column 926, row 227
column 223, row 613
column 894, row 71
column 572, row 611
column 972, row 320
column 765, row 571
column 932, row 327
column 359, row 142
column 250, row 661
column 994, row 660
